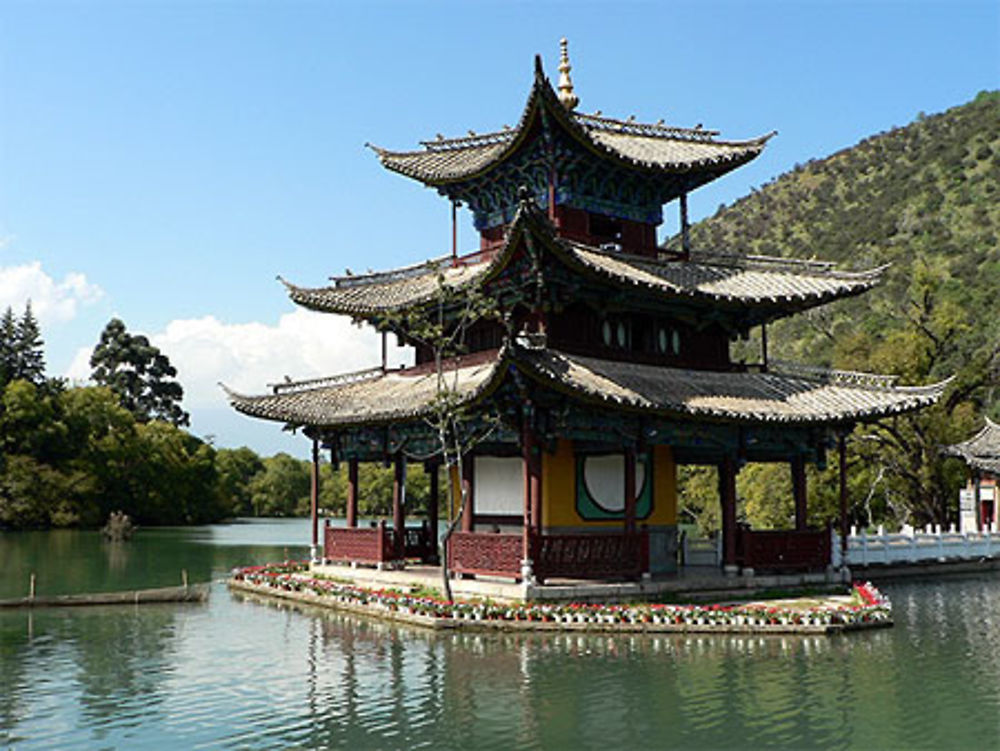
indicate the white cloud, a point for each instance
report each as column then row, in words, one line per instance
column 248, row 356
column 51, row 301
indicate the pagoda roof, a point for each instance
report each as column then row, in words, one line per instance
column 710, row 277
column 803, row 396
column 651, row 147
column 982, row 451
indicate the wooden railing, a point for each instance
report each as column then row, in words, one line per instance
column 591, row 556
column 377, row 544
column 783, row 550
column 358, row 544
column 583, row 556
column 420, row 543
column 490, row 554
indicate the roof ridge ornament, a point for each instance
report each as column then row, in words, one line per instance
column 566, row 95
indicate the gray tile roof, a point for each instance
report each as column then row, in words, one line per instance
column 749, row 280
column 812, row 396
column 711, row 277
column 653, row 147
column 982, row 451
column 363, row 398
column 807, row 396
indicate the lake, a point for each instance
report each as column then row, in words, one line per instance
column 241, row 674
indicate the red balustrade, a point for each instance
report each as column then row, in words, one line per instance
column 584, row 556
column 591, row 556
column 376, row 544
column 783, row 550
column 420, row 543
column 491, row 554
column 358, row 544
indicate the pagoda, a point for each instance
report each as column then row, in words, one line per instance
column 607, row 365
column 981, row 454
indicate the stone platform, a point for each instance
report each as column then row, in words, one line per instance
column 692, row 583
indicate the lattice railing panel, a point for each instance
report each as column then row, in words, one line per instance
column 485, row 553
column 784, row 550
column 591, row 556
column 364, row 545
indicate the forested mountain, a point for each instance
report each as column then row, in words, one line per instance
column 925, row 199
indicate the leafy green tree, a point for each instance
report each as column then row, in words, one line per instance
column 282, row 488
column 236, row 469
column 139, row 374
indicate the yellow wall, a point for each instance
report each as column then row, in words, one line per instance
column 559, row 486
column 664, row 487
column 559, row 489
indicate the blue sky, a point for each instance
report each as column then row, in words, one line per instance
column 164, row 161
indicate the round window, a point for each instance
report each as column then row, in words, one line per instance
column 675, row 342
column 606, row 333
column 622, row 335
column 662, row 341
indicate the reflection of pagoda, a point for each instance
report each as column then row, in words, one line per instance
column 620, row 372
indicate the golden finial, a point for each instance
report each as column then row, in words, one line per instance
column 566, row 95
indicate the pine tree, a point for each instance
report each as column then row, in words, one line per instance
column 8, row 337
column 29, row 353
column 139, row 374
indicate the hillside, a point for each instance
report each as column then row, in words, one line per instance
column 924, row 198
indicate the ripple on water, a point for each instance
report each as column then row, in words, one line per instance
column 238, row 674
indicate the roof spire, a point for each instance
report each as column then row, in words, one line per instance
column 566, row 95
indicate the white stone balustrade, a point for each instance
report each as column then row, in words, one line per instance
column 916, row 546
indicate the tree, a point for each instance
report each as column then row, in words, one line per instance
column 281, row 488
column 28, row 349
column 236, row 469
column 441, row 327
column 139, row 374
column 21, row 348
column 8, row 338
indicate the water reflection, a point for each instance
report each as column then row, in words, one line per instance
column 248, row 673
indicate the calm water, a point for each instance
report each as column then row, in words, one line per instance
column 241, row 674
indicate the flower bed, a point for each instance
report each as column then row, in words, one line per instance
column 867, row 607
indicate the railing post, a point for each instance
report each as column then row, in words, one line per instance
column 864, row 547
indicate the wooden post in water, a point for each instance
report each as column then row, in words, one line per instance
column 184, row 577
column 31, row 586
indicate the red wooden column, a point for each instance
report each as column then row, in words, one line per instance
column 727, row 494
column 314, row 499
column 468, row 488
column 629, row 491
column 536, row 491
column 799, row 492
column 398, row 495
column 842, row 460
column 352, row 492
column 527, row 450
